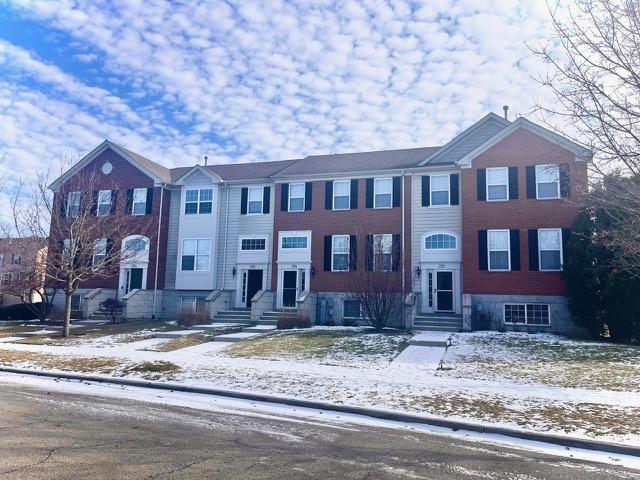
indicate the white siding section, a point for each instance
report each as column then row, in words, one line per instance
column 172, row 239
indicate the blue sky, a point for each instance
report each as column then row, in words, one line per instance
column 256, row 80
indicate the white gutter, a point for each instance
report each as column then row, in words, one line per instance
column 155, row 279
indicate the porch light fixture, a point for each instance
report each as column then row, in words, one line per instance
column 233, row 272
column 418, row 272
column 313, row 271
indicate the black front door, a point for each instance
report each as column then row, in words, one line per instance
column 444, row 291
column 254, row 283
column 135, row 279
column 289, row 285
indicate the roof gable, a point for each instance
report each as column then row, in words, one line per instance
column 197, row 174
column 468, row 140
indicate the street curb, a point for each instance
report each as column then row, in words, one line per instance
column 396, row 416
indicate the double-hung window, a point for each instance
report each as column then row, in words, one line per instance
column 498, row 245
column 253, row 244
column 550, row 249
column 547, row 181
column 139, row 204
column 497, row 184
column 104, row 203
column 99, row 252
column 291, row 242
column 340, row 253
column 6, row 279
column 439, row 190
column 195, row 254
column 341, row 194
column 382, row 252
column 73, row 204
column 296, row 197
column 383, row 193
column 526, row 314
column 255, row 200
column 198, row 201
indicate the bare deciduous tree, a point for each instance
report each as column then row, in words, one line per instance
column 595, row 76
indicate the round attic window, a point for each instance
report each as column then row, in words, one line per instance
column 107, row 168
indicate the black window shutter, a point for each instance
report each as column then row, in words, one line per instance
column 531, row 182
column 396, row 253
column 114, row 202
column 397, row 188
column 244, row 197
column 369, row 192
column 514, row 244
column 94, row 202
column 483, row 257
column 63, row 205
column 513, row 183
column 266, row 199
column 454, row 187
column 534, row 263
column 284, row 197
column 426, row 190
column 481, row 181
column 369, row 259
column 129, row 203
column 149, row 201
column 308, row 196
column 108, row 252
column 353, row 201
column 565, row 180
column 353, row 253
column 328, row 195
column 566, row 235
column 327, row 253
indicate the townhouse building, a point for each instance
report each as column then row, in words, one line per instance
column 21, row 265
column 473, row 227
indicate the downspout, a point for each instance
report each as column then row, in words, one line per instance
column 155, row 279
column 226, row 238
column 402, row 242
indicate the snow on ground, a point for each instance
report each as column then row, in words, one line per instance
column 487, row 377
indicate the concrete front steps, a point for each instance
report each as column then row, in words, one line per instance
column 238, row 315
column 438, row 322
column 271, row 318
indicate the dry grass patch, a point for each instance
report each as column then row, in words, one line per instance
column 59, row 362
column 180, row 343
column 12, row 330
column 153, row 370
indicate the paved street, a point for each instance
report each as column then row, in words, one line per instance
column 52, row 435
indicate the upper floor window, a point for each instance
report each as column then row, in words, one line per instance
column 499, row 253
column 340, row 253
column 341, row 194
column 440, row 241
column 382, row 193
column 99, row 252
column 255, row 200
column 547, row 181
column 550, row 249
column 73, row 204
column 195, row 254
column 139, row 203
column 6, row 279
column 296, row 197
column 294, row 242
column 198, row 201
column 1, row 259
column 382, row 252
column 439, row 190
column 497, row 184
column 253, row 244
column 104, row 203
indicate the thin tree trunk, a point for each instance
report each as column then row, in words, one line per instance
column 67, row 314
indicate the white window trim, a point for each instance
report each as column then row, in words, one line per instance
column 348, row 182
column 526, row 319
column 431, row 190
column 195, row 255
column 497, row 184
column 375, row 254
column 558, row 182
column 559, row 230
column 348, row 253
column 344, row 301
column 508, row 252
column 266, row 244
column 375, row 194
column 133, row 202
column 68, row 209
column 304, row 203
column 294, row 235
column 104, row 255
column 261, row 200
column 427, row 235
column 198, row 201
column 99, row 203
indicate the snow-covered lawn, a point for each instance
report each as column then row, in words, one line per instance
column 539, row 382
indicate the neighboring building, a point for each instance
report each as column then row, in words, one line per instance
column 478, row 225
column 21, row 269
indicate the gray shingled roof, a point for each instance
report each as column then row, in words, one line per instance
column 359, row 161
column 158, row 170
column 239, row 171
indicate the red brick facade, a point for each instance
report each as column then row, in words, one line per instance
column 361, row 222
column 123, row 177
column 521, row 149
